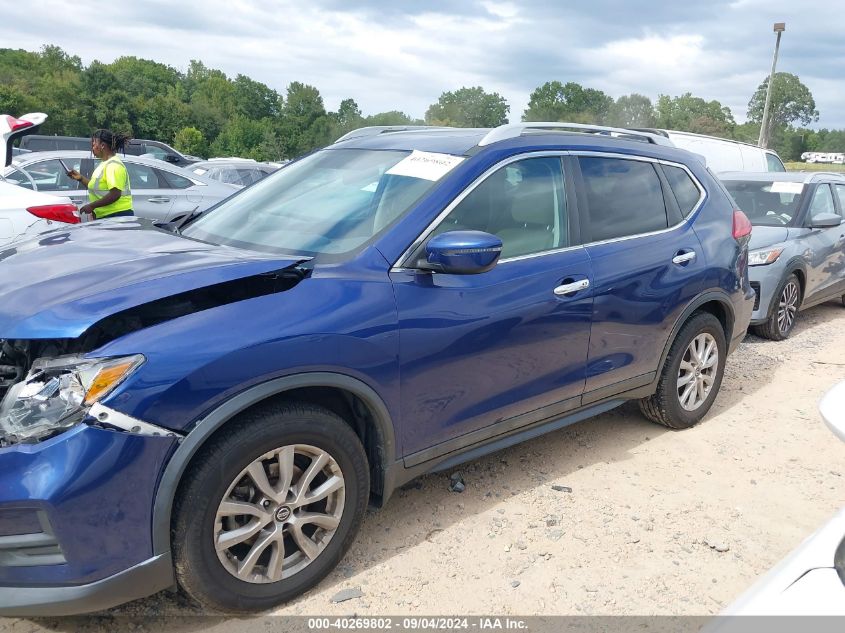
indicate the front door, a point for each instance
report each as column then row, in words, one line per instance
column 825, row 254
column 484, row 354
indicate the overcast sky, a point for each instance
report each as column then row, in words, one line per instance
column 401, row 55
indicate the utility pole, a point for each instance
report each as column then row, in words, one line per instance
column 763, row 141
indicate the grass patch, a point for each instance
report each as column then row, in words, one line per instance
column 814, row 167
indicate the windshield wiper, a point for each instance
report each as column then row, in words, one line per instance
column 176, row 225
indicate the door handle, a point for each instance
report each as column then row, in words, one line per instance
column 575, row 286
column 683, row 258
column 158, row 200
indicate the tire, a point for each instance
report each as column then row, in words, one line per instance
column 667, row 405
column 782, row 312
column 244, row 466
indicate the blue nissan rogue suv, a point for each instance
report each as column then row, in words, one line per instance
column 212, row 404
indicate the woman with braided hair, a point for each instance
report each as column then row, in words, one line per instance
column 109, row 193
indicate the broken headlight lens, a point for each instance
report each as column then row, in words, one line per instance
column 57, row 393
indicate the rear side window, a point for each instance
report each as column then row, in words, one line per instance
column 686, row 193
column 142, row 177
column 174, row 180
column 773, row 163
column 624, row 197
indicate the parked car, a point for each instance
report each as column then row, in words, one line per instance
column 723, row 154
column 135, row 147
column 24, row 212
column 234, row 171
column 214, row 407
column 811, row 580
column 159, row 191
column 798, row 245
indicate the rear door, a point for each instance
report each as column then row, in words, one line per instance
column 646, row 260
column 152, row 196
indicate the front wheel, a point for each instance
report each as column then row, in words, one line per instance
column 269, row 508
column 782, row 313
column 691, row 376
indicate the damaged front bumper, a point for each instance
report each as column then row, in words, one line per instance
column 76, row 514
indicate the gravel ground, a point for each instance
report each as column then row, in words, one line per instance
column 612, row 516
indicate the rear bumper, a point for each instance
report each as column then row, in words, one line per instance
column 139, row 581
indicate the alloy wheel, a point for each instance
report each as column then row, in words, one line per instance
column 788, row 307
column 279, row 514
column 697, row 372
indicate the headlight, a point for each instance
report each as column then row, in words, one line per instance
column 764, row 256
column 57, row 393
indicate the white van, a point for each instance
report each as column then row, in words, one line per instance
column 725, row 155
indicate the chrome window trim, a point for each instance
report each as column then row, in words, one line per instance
column 559, row 153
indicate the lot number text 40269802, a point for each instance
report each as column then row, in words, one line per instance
column 431, row 623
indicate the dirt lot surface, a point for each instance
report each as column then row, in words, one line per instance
column 610, row 516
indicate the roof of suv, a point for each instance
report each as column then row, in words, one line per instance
column 462, row 141
column 806, row 177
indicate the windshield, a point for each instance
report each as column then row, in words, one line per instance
column 330, row 202
column 766, row 203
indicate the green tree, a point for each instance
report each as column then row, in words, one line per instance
column 468, row 107
column 190, row 140
column 687, row 113
column 302, row 127
column 393, row 117
column 254, row 99
column 791, row 102
column 571, row 102
column 633, row 110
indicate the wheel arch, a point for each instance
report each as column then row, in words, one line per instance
column 716, row 303
column 343, row 394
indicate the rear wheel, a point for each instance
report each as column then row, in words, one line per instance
column 691, row 375
column 270, row 508
column 782, row 313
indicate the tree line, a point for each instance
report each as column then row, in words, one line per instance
column 204, row 112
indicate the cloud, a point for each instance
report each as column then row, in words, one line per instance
column 403, row 54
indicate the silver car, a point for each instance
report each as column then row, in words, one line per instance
column 797, row 249
column 160, row 191
column 811, row 580
column 235, row 171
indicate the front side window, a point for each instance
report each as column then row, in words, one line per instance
column 822, row 202
column 840, row 193
column 766, row 203
column 331, row 202
column 624, row 198
column 522, row 203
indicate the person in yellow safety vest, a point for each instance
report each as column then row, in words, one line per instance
column 109, row 193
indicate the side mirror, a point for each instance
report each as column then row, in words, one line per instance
column 825, row 221
column 832, row 408
column 171, row 158
column 461, row 253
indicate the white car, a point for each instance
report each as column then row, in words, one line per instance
column 811, row 580
column 24, row 212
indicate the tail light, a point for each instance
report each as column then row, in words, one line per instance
column 17, row 124
column 742, row 225
column 58, row 212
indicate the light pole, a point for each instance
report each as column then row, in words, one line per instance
column 763, row 141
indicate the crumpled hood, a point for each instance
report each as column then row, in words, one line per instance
column 763, row 236
column 60, row 283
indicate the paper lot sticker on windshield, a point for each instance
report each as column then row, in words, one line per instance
column 425, row 165
column 787, row 187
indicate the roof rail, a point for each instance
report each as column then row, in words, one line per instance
column 374, row 130
column 514, row 130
